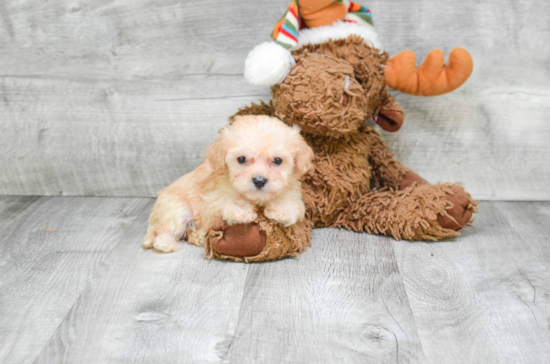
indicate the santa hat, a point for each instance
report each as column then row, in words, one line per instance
column 307, row 22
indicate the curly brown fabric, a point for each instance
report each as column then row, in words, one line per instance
column 341, row 174
column 387, row 172
column 313, row 93
column 410, row 214
column 368, row 67
column 334, row 88
column 254, row 109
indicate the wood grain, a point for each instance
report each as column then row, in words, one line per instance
column 342, row 301
column 42, row 273
column 15, row 208
column 81, row 148
column 120, row 97
column 150, row 307
column 483, row 297
column 531, row 222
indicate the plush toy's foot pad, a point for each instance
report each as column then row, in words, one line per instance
column 411, row 178
column 461, row 213
column 259, row 241
column 242, row 240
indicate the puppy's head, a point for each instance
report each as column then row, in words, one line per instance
column 261, row 156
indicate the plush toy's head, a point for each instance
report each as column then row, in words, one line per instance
column 329, row 74
column 335, row 87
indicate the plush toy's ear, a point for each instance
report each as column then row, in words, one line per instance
column 390, row 117
column 302, row 152
column 216, row 153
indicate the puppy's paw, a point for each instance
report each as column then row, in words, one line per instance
column 149, row 238
column 238, row 215
column 284, row 215
column 148, row 242
column 166, row 243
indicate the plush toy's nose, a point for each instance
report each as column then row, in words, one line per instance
column 259, row 182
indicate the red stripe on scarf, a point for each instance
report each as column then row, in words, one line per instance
column 293, row 11
column 353, row 7
column 289, row 35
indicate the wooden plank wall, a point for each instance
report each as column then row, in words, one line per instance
column 120, row 97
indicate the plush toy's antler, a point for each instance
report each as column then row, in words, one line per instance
column 432, row 77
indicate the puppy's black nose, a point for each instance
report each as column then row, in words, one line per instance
column 259, row 182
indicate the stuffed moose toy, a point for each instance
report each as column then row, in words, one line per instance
column 329, row 75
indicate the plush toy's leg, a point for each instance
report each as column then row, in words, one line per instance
column 389, row 172
column 463, row 205
column 411, row 214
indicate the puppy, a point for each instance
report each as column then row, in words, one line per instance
column 256, row 162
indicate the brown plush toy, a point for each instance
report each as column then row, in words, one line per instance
column 330, row 78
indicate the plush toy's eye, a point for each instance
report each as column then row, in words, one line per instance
column 241, row 160
column 277, row 160
column 358, row 80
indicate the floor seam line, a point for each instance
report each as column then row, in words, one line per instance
column 522, row 240
column 228, row 355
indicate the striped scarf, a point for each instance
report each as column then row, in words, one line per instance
column 286, row 30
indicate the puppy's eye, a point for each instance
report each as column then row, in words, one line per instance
column 277, row 160
column 358, row 80
column 241, row 160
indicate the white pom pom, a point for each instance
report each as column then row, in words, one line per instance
column 268, row 64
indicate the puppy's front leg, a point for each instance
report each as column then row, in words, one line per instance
column 286, row 211
column 238, row 212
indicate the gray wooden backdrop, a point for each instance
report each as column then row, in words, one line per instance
column 120, row 97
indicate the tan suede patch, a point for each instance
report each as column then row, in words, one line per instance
column 325, row 16
column 281, row 241
column 311, row 6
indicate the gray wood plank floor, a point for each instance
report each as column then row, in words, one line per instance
column 42, row 273
column 88, row 293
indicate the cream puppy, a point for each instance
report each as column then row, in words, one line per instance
column 256, row 162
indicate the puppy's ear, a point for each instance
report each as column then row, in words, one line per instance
column 216, row 152
column 302, row 152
